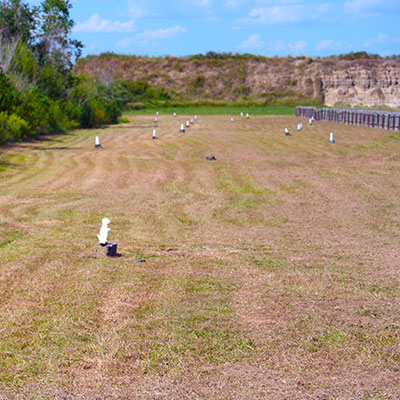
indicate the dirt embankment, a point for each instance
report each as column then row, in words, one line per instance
column 366, row 82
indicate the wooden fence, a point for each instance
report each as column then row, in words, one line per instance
column 372, row 119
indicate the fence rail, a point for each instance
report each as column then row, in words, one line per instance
column 372, row 119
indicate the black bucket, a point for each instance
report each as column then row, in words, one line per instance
column 111, row 249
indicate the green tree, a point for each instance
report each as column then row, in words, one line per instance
column 54, row 42
column 17, row 22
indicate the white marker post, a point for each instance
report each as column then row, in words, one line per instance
column 154, row 134
column 195, row 117
column 182, row 130
column 187, row 124
column 310, row 121
column 331, row 140
column 111, row 248
column 247, row 116
column 241, row 114
column 231, row 119
column 157, row 113
column 287, row 133
column 155, row 120
column 174, row 114
column 102, row 236
column 97, row 144
column 191, row 121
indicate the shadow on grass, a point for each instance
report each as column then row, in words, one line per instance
column 56, row 148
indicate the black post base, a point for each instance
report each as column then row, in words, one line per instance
column 111, row 249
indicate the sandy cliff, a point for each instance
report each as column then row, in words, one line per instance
column 365, row 82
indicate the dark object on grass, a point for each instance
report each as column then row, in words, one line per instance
column 111, row 249
column 98, row 146
column 138, row 260
column 211, row 157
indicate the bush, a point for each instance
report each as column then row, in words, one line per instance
column 13, row 128
column 198, row 82
column 8, row 95
column 18, row 128
column 87, row 116
column 4, row 132
column 33, row 108
column 56, row 120
column 113, row 112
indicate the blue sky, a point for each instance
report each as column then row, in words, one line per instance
column 265, row 27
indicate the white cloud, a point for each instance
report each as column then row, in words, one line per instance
column 203, row 3
column 136, row 12
column 298, row 47
column 149, row 36
column 166, row 33
column 331, row 45
column 276, row 14
column 366, row 8
column 254, row 42
column 287, row 12
column 381, row 40
column 97, row 24
column 129, row 43
column 276, row 46
column 234, row 3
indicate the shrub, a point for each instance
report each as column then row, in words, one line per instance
column 4, row 132
column 198, row 82
column 87, row 115
column 56, row 118
column 18, row 128
column 309, row 82
column 242, row 91
column 8, row 95
column 13, row 128
column 33, row 108
column 113, row 112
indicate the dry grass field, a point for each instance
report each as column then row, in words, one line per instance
column 271, row 273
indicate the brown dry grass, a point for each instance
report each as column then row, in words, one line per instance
column 271, row 273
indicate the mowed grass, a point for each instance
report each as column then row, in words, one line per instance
column 272, row 272
column 233, row 110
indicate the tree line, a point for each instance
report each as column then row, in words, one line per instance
column 38, row 92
